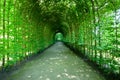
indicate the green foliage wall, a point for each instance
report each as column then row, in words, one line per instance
column 19, row 37
column 96, row 34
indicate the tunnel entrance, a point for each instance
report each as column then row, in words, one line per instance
column 58, row 36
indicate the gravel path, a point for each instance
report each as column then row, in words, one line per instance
column 56, row 63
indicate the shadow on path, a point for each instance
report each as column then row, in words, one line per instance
column 56, row 63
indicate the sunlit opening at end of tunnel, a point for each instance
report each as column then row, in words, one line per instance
column 58, row 36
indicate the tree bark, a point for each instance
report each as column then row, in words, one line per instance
column 4, row 27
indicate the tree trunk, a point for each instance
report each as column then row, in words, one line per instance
column 94, row 22
column 4, row 27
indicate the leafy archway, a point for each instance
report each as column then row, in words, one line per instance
column 91, row 26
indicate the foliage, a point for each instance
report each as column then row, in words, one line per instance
column 92, row 26
column 19, row 37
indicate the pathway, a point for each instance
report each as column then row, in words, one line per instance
column 56, row 63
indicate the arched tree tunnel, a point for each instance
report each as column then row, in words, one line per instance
column 90, row 28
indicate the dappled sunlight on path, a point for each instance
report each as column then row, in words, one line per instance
column 56, row 63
